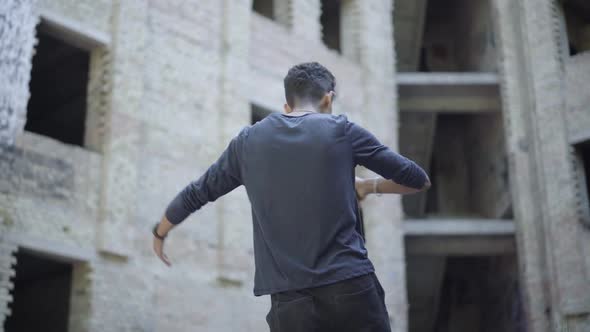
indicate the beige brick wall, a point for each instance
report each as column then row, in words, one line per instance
column 166, row 94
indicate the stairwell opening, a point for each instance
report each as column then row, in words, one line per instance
column 466, row 159
column 457, row 37
column 464, row 293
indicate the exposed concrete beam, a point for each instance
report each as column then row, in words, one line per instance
column 449, row 92
column 52, row 249
column 458, row 227
column 443, row 78
column 460, row 245
column 73, row 32
column 449, row 104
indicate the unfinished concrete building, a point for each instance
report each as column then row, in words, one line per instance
column 109, row 107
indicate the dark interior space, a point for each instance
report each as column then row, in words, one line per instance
column 464, row 294
column 457, row 37
column 330, row 20
column 467, row 167
column 577, row 17
column 480, row 293
column 258, row 113
column 59, row 78
column 41, row 295
column 583, row 150
column 264, row 8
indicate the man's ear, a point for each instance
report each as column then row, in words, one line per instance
column 287, row 108
column 326, row 103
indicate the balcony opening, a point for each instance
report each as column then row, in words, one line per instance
column 330, row 21
column 59, row 79
column 41, row 294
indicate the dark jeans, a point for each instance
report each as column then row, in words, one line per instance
column 353, row 305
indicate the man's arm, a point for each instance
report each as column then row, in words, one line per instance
column 221, row 178
column 383, row 186
column 400, row 174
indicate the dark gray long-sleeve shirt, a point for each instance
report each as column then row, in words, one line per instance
column 299, row 176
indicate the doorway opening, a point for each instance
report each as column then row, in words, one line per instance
column 41, row 295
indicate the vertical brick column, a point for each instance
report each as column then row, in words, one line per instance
column 548, row 232
column 121, row 127
column 7, row 272
column 305, row 16
column 350, row 29
column 283, row 11
column 16, row 51
column 570, row 309
column 234, row 223
column 383, row 217
column 523, row 186
column 80, row 298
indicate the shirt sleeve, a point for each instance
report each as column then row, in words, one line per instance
column 221, row 178
column 369, row 152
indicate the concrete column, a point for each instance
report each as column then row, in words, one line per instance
column 556, row 174
column 16, row 51
column 235, row 225
column 80, row 298
column 350, row 29
column 305, row 15
column 548, row 232
column 121, row 127
column 383, row 217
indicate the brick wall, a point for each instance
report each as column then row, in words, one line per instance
column 166, row 93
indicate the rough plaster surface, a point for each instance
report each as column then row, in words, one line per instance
column 16, row 52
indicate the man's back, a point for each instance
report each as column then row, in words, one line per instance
column 299, row 175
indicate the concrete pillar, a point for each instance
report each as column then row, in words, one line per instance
column 516, row 101
column 548, row 232
column 383, row 217
column 121, row 126
column 350, row 29
column 305, row 16
column 80, row 298
column 234, row 222
column 555, row 172
column 16, row 51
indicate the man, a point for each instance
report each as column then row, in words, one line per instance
column 298, row 170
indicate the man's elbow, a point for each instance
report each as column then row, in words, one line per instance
column 426, row 185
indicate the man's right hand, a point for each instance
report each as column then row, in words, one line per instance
column 362, row 187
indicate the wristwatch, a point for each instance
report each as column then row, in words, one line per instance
column 155, row 232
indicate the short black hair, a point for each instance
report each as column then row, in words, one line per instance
column 308, row 82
